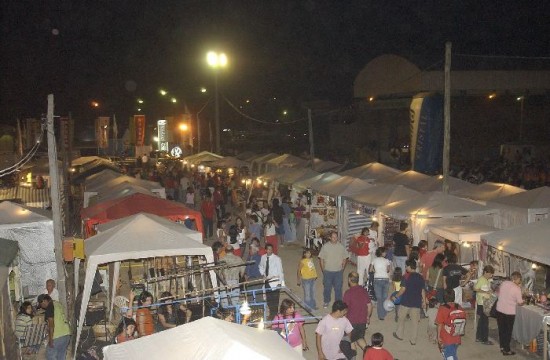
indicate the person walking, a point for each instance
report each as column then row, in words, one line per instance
column 330, row 330
column 426, row 261
column 59, row 333
column 447, row 337
column 361, row 247
column 452, row 273
column 232, row 276
column 307, row 275
column 271, row 268
column 332, row 258
column 207, row 210
column 413, row 298
column 381, row 268
column 483, row 291
column 401, row 246
column 359, row 309
column 290, row 324
column 434, row 278
column 509, row 296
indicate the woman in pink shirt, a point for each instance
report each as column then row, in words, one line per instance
column 509, row 296
column 289, row 324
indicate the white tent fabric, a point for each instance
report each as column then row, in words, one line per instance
column 527, row 241
column 465, row 232
column 296, row 174
column 138, row 236
column 84, row 160
column 488, row 191
column 325, row 165
column 411, row 179
column 371, row 171
column 285, row 160
column 455, row 184
column 258, row 163
column 205, row 339
column 523, row 207
column 382, row 194
column 229, row 162
column 346, row 185
column 121, row 190
column 202, row 157
column 33, row 230
column 101, row 177
column 98, row 186
column 316, row 181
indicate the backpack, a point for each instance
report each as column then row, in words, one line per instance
column 455, row 323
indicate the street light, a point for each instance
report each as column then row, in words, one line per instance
column 163, row 92
column 216, row 60
column 183, row 128
column 521, row 99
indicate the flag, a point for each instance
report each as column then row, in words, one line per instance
column 115, row 128
column 427, row 133
column 139, row 123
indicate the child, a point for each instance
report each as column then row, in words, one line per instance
column 271, row 234
column 144, row 317
column 376, row 351
column 447, row 341
column 395, row 286
column 307, row 274
column 125, row 331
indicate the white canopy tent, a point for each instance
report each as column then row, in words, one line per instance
column 285, row 160
column 205, row 339
column 121, row 190
column 371, row 171
column 455, row 184
column 101, row 177
column 346, row 185
column 258, row 162
column 229, row 162
column 289, row 178
column 138, row 236
column 487, row 191
column 315, row 181
column 523, row 207
column 382, row 194
column 33, row 230
column 411, row 179
column 436, row 207
column 122, row 185
column 325, row 165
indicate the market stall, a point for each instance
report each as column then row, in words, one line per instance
column 141, row 236
column 258, row 163
column 8, row 262
column 411, row 179
column 121, row 207
column 523, row 207
column 373, row 171
column 116, row 185
column 284, row 161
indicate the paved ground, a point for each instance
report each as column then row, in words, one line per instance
column 401, row 349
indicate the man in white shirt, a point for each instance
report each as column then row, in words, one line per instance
column 271, row 267
column 51, row 290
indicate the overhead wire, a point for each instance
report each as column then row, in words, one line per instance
column 26, row 158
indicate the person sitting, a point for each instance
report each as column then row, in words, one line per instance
column 23, row 320
column 144, row 317
column 171, row 315
column 125, row 331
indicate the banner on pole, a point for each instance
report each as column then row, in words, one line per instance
column 162, row 135
column 139, row 123
column 427, row 133
column 102, row 132
column 66, row 133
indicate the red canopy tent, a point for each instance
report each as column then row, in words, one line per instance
column 109, row 210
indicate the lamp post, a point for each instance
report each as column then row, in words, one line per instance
column 216, row 61
column 183, row 128
column 521, row 99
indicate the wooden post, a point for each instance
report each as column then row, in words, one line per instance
column 56, row 205
column 447, row 119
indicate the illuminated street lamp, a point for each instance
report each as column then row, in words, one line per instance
column 94, row 104
column 183, row 128
column 203, row 90
column 216, row 60
column 163, row 92
column 140, row 101
column 174, row 100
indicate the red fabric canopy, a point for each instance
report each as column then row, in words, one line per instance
column 114, row 209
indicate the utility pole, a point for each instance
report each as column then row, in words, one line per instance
column 311, row 146
column 217, row 114
column 447, row 119
column 56, row 205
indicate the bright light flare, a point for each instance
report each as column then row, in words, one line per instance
column 95, row 104
column 174, row 100
column 163, row 92
column 140, row 101
column 203, row 90
column 184, row 127
column 216, row 60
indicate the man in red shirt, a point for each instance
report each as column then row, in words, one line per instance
column 207, row 210
column 427, row 260
column 447, row 342
column 359, row 309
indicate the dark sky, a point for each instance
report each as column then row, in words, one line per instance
column 116, row 51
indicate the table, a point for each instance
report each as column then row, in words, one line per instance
column 528, row 323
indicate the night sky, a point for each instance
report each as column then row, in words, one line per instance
column 117, row 51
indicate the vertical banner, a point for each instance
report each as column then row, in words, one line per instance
column 65, row 133
column 102, row 132
column 139, row 123
column 33, row 128
column 162, row 135
column 427, row 133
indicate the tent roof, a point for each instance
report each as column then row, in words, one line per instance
column 411, row 179
column 382, row 194
column 435, row 204
column 371, row 171
column 265, row 157
column 466, row 232
column 307, row 182
column 122, row 179
column 538, row 198
column 287, row 160
column 345, row 185
column 9, row 251
column 84, row 160
column 296, row 174
column 162, row 223
column 201, row 154
column 275, row 173
column 92, row 168
column 454, row 184
column 488, row 191
column 102, row 176
column 325, row 165
column 140, row 236
column 136, row 203
column 229, row 162
column 326, row 178
column 527, row 241
column 207, row 338
column 15, row 214
column 119, row 191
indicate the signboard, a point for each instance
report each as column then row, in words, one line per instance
column 162, row 135
column 139, row 123
column 176, row 151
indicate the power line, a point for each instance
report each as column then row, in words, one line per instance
column 504, row 56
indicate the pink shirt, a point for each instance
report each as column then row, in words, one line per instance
column 292, row 330
column 332, row 330
column 509, row 296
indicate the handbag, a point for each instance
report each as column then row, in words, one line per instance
column 490, row 306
